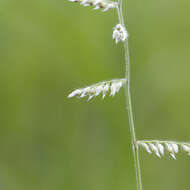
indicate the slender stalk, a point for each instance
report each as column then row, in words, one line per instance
column 129, row 103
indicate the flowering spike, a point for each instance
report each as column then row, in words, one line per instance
column 103, row 4
column 96, row 89
column 119, row 33
column 158, row 147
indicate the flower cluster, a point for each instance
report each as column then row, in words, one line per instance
column 119, row 33
column 158, row 147
column 103, row 87
column 99, row 4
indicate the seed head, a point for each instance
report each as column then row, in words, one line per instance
column 159, row 147
column 103, row 87
column 99, row 4
column 119, row 33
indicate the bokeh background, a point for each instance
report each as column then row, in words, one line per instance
column 50, row 47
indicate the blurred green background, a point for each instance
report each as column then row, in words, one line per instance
column 50, row 47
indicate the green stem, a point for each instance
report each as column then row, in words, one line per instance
column 129, row 104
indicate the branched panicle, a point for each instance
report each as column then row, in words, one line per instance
column 120, row 34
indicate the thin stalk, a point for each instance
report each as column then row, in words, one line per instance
column 129, row 104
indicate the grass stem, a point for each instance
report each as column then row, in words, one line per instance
column 129, row 103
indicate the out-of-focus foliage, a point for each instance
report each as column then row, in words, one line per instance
column 50, row 47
